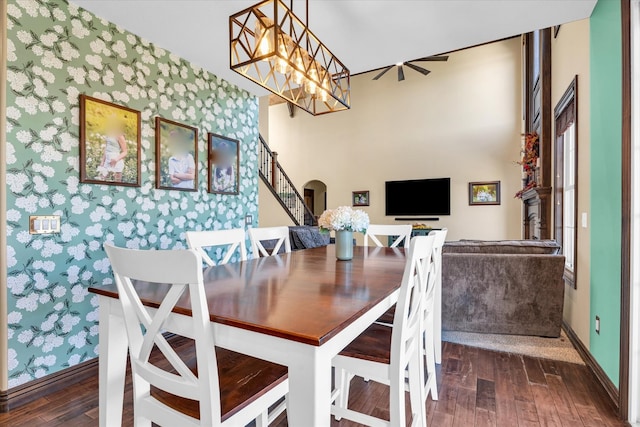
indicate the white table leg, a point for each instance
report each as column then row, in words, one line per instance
column 112, row 362
column 310, row 390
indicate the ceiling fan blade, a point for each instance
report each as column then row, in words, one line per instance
column 421, row 70
column 432, row 59
column 382, row 73
column 400, row 73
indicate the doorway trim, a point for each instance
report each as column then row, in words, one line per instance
column 630, row 309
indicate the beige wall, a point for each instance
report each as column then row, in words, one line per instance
column 570, row 57
column 461, row 121
column 263, row 118
column 271, row 213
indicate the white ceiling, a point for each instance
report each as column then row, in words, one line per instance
column 363, row 34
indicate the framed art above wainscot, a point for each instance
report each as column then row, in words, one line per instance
column 109, row 143
column 484, row 193
column 224, row 164
column 176, row 156
column 360, row 198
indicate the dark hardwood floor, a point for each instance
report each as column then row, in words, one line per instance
column 477, row 388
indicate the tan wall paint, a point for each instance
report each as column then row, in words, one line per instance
column 462, row 121
column 4, row 343
column 263, row 118
column 570, row 57
column 271, row 213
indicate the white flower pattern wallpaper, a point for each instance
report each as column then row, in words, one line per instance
column 57, row 51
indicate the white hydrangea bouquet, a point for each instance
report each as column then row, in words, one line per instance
column 344, row 218
column 344, row 221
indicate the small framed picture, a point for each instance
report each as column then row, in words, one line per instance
column 224, row 164
column 360, row 198
column 109, row 143
column 176, row 156
column 484, row 193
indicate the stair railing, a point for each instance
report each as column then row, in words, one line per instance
column 277, row 180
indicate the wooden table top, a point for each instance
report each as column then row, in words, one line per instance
column 306, row 296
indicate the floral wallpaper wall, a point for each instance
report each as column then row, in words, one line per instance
column 57, row 51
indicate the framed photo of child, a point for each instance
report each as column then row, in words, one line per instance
column 360, row 198
column 109, row 143
column 224, row 164
column 176, row 156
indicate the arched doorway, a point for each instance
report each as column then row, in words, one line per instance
column 315, row 196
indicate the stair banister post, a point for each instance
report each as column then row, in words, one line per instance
column 274, row 169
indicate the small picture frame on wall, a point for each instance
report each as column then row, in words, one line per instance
column 109, row 143
column 224, row 164
column 176, row 156
column 360, row 198
column 484, row 193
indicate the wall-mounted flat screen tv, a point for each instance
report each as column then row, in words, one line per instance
column 418, row 197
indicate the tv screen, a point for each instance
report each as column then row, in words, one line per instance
column 418, row 197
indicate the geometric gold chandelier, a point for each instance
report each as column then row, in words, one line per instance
column 274, row 48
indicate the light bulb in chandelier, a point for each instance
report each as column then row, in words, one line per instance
column 298, row 76
column 310, row 85
column 282, row 66
column 325, row 88
column 264, row 35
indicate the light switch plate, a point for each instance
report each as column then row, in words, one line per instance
column 44, row 224
column 248, row 220
column 584, row 220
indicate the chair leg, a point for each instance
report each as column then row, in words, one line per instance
column 437, row 321
column 263, row 419
column 431, row 383
column 397, row 415
column 417, row 392
column 343, row 382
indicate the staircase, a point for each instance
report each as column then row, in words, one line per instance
column 282, row 188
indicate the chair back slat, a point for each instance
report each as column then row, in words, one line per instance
column 260, row 235
column 409, row 313
column 233, row 239
column 182, row 270
column 402, row 231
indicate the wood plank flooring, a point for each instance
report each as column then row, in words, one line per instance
column 477, row 388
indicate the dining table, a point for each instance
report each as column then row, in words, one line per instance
column 297, row 309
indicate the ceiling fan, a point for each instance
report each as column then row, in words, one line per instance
column 414, row 67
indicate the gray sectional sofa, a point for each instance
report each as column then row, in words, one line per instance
column 503, row 287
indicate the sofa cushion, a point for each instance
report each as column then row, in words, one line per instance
column 307, row 237
column 534, row 247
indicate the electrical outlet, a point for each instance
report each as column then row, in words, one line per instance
column 598, row 325
column 248, row 220
column 44, row 224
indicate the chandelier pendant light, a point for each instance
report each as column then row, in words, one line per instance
column 274, row 48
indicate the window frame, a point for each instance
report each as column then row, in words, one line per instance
column 566, row 107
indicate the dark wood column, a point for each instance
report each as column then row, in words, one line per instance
column 538, row 116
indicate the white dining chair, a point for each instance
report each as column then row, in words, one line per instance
column 233, row 239
column 432, row 326
column 441, row 236
column 384, row 354
column 402, row 231
column 260, row 235
column 216, row 388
